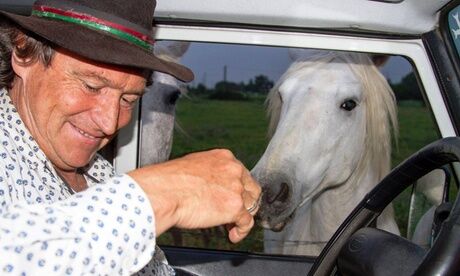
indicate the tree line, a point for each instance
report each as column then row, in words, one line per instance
column 407, row 89
column 227, row 90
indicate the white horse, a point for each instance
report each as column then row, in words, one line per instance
column 331, row 116
column 158, row 109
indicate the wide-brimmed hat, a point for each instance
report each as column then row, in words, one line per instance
column 109, row 31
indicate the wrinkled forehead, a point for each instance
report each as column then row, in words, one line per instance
column 117, row 75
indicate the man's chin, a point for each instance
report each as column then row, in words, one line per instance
column 79, row 161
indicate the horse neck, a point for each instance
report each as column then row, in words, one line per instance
column 319, row 219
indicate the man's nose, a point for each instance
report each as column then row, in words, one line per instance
column 106, row 114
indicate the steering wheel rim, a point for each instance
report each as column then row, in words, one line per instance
column 445, row 252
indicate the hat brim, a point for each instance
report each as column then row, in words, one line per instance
column 98, row 45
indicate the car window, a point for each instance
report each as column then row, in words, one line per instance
column 453, row 26
column 226, row 107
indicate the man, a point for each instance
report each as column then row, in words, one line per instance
column 70, row 76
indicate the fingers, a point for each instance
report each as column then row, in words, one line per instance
column 254, row 208
column 250, row 189
column 251, row 204
column 241, row 228
column 252, row 193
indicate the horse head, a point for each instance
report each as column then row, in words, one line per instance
column 322, row 112
column 159, row 105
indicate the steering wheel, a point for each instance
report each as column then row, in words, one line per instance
column 443, row 258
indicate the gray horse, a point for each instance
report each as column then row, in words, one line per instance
column 159, row 108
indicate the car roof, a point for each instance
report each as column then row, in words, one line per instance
column 403, row 17
column 411, row 17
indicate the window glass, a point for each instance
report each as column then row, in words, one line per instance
column 226, row 107
column 454, row 27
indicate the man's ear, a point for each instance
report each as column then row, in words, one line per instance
column 20, row 65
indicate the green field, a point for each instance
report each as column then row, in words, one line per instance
column 241, row 127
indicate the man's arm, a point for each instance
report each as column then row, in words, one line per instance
column 106, row 229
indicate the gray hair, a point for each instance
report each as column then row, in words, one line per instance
column 26, row 47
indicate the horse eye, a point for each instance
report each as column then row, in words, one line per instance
column 349, row 105
column 174, row 97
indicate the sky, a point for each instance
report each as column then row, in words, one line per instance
column 243, row 62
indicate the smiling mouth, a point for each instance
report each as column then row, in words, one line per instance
column 85, row 134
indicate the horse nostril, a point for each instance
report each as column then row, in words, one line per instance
column 282, row 195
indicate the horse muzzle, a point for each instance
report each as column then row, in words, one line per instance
column 276, row 207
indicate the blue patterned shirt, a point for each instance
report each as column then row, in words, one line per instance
column 45, row 229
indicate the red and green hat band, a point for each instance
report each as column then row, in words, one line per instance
column 92, row 22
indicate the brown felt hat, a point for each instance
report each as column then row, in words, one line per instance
column 110, row 31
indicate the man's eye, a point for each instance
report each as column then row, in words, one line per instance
column 91, row 88
column 129, row 101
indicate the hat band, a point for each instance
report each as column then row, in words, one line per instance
column 92, row 22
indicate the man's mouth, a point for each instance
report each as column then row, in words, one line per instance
column 85, row 134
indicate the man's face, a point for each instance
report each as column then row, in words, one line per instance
column 74, row 107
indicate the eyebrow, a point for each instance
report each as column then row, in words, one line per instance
column 105, row 81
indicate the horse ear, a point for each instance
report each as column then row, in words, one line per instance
column 174, row 49
column 379, row 60
column 178, row 48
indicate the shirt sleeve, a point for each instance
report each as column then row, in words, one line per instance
column 107, row 230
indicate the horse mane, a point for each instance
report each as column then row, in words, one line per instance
column 380, row 103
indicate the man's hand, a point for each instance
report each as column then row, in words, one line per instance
column 201, row 190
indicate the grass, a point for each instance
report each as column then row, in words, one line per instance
column 204, row 124
column 241, row 127
column 236, row 125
